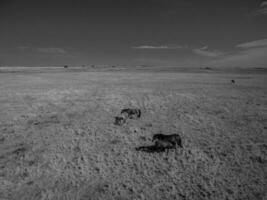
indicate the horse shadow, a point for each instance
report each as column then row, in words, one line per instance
column 152, row 149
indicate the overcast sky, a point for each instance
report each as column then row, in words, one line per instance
column 130, row 32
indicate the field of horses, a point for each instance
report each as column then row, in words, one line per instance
column 58, row 140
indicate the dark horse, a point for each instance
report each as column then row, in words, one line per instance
column 173, row 139
column 119, row 121
column 131, row 113
column 162, row 143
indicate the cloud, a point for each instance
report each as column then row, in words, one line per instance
column 246, row 55
column 253, row 44
column 264, row 3
column 52, row 50
column 22, row 48
column 158, row 47
column 250, row 54
column 249, row 57
column 208, row 53
column 263, row 8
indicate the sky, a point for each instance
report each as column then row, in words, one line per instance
column 228, row 33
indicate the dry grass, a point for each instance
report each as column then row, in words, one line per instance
column 58, row 141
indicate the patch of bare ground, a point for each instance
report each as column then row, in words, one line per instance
column 58, row 139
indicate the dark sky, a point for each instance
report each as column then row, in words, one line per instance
column 129, row 32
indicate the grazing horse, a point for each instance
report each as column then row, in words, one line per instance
column 162, row 143
column 131, row 113
column 233, row 81
column 167, row 140
column 119, row 121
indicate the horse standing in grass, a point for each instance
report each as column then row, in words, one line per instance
column 172, row 140
column 131, row 113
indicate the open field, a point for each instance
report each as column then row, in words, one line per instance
column 58, row 140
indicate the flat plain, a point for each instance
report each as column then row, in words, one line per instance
column 58, row 139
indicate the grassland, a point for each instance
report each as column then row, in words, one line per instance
column 58, row 140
